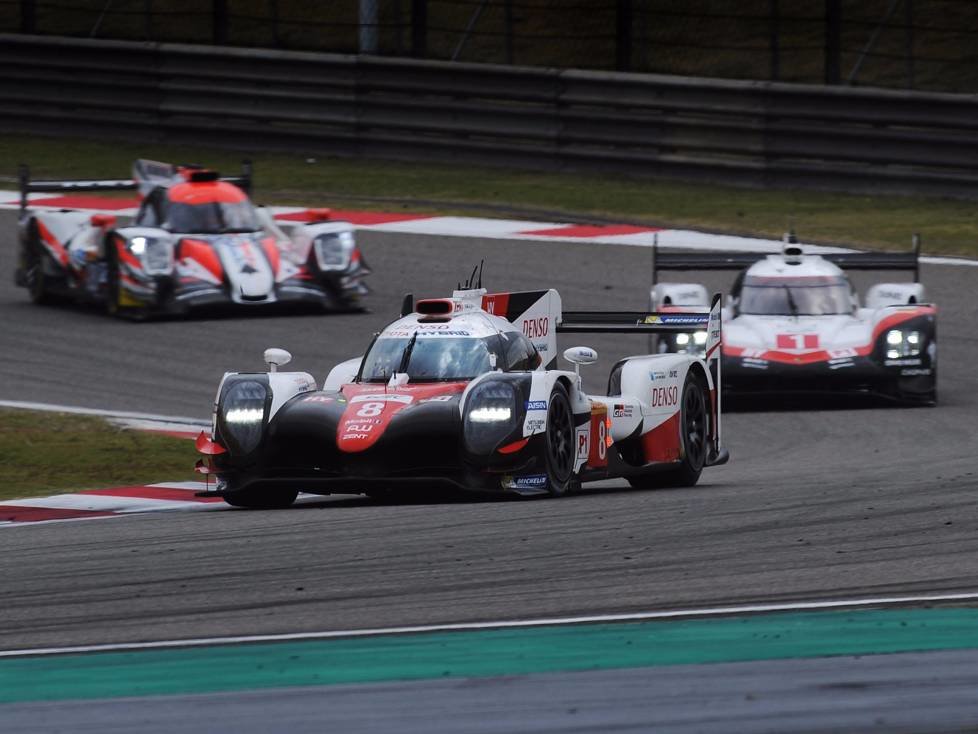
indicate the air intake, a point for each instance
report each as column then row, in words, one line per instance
column 200, row 176
column 436, row 306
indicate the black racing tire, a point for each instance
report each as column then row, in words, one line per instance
column 34, row 275
column 112, row 288
column 262, row 498
column 694, row 431
column 560, row 434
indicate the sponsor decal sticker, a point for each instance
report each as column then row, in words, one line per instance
column 902, row 362
column 663, row 397
column 438, row 399
column 536, row 328
column 683, row 319
column 382, row 398
column 536, row 404
column 534, row 425
column 621, row 411
column 531, row 480
column 583, row 444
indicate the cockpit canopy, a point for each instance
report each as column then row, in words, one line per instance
column 820, row 295
column 445, row 354
column 199, row 208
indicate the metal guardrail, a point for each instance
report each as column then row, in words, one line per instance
column 753, row 133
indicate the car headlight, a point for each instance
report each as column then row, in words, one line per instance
column 691, row 343
column 155, row 253
column 243, row 415
column 901, row 343
column 490, row 415
column 333, row 250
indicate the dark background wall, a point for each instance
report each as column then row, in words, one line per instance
column 910, row 44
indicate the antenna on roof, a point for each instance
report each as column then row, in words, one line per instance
column 481, row 263
column 790, row 236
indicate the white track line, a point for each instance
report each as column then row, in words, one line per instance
column 127, row 415
column 471, row 626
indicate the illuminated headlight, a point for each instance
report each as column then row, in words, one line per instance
column 490, row 415
column 691, row 342
column 902, row 344
column 333, row 250
column 156, row 254
column 243, row 414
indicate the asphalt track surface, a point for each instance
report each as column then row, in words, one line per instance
column 888, row 693
column 826, row 503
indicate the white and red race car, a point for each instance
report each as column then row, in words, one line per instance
column 196, row 241
column 455, row 393
column 793, row 323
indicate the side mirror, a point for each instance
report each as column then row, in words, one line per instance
column 275, row 358
column 103, row 220
column 580, row 355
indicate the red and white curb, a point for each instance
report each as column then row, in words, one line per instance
column 116, row 500
column 485, row 228
column 93, row 503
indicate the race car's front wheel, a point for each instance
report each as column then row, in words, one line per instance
column 560, row 441
column 34, row 275
column 694, row 434
column 262, row 498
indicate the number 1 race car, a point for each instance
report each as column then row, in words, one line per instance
column 793, row 323
column 196, row 240
column 455, row 394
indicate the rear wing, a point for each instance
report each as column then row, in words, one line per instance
column 27, row 186
column 740, row 260
column 663, row 322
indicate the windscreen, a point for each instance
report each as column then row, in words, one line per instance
column 211, row 218
column 427, row 358
column 815, row 296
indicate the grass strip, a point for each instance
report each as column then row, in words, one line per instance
column 45, row 453
column 948, row 227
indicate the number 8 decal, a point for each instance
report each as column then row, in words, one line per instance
column 602, row 436
column 370, row 410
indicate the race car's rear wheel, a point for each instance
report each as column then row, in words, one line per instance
column 262, row 498
column 694, row 434
column 560, row 441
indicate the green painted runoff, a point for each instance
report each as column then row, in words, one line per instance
column 484, row 653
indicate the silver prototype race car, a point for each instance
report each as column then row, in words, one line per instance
column 793, row 323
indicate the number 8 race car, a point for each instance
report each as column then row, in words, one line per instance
column 456, row 394
column 196, row 241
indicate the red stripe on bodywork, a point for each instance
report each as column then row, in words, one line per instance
column 589, row 230
column 15, row 513
column 496, row 303
column 823, row 355
column 663, row 443
column 272, row 253
column 52, row 242
column 125, row 256
column 152, row 493
column 203, row 253
column 356, row 217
